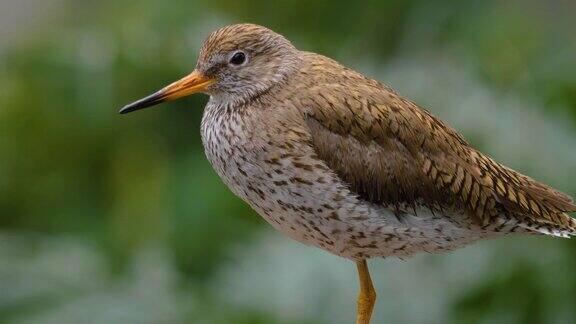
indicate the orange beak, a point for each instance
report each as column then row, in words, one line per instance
column 193, row 83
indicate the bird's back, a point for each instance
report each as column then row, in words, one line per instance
column 391, row 151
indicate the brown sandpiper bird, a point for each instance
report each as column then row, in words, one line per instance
column 334, row 159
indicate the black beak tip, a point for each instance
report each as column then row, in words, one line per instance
column 149, row 101
column 126, row 109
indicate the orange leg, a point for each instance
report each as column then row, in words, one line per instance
column 367, row 295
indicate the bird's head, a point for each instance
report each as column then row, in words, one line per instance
column 236, row 63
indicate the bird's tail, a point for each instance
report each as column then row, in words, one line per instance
column 566, row 229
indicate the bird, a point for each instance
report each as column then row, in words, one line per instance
column 339, row 161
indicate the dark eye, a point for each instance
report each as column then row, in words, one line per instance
column 238, row 58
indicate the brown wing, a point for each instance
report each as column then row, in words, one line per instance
column 391, row 151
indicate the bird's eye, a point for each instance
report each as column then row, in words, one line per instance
column 238, row 58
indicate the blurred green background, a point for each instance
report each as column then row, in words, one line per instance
column 120, row 219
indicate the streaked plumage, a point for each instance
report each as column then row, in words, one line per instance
column 336, row 160
column 340, row 161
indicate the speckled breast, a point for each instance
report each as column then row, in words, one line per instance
column 266, row 160
column 267, row 163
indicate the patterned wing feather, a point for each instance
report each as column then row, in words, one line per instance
column 391, row 151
